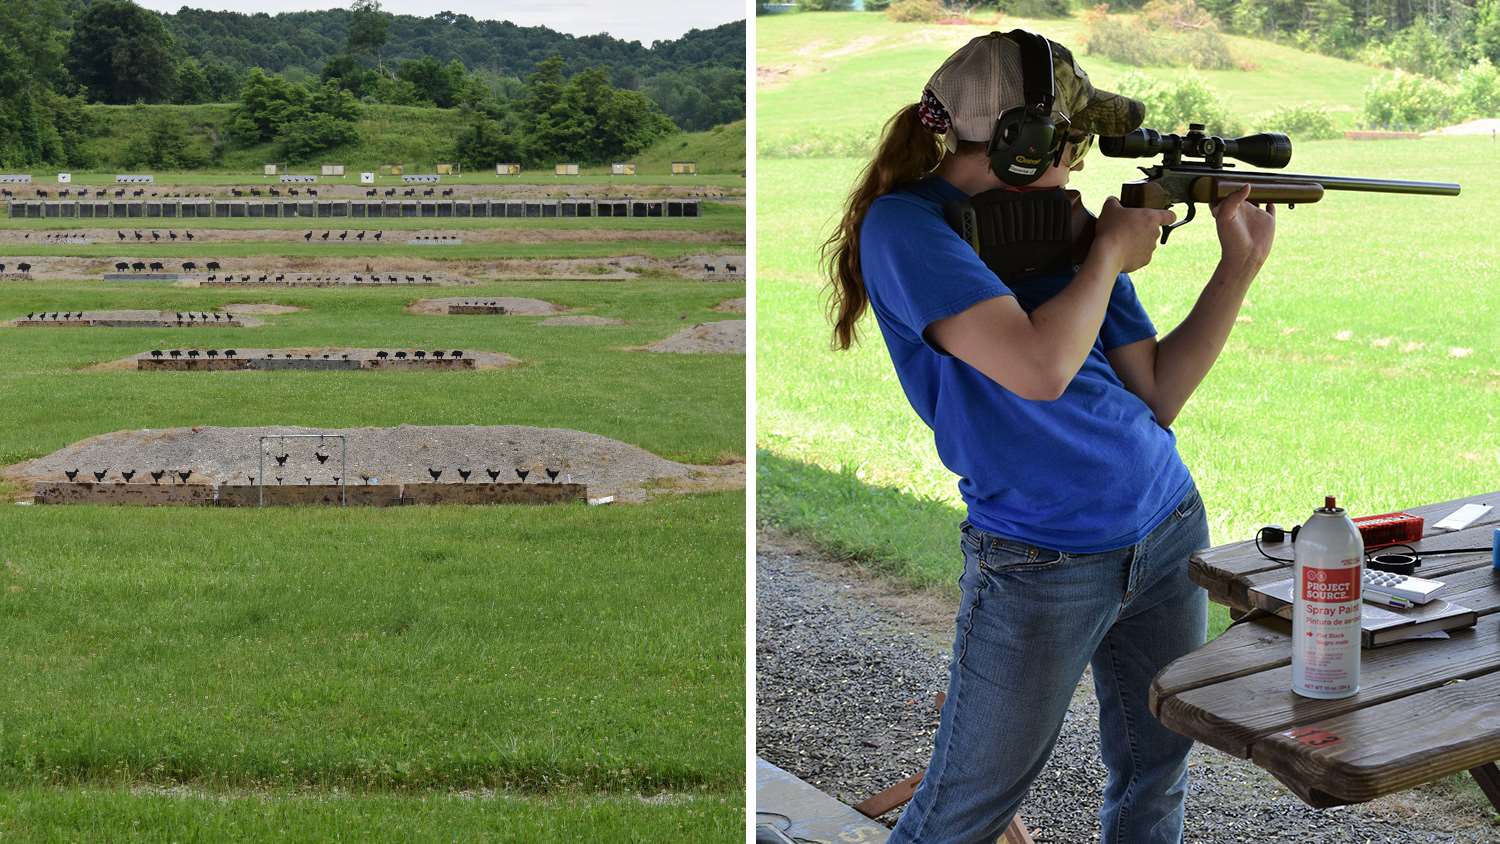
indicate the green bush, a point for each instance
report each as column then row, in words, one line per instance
column 1171, row 106
column 72, row 126
column 303, row 138
column 1168, row 33
column 916, row 11
column 1118, row 39
column 1487, row 29
column 1478, row 91
column 166, row 144
column 1407, row 102
column 1417, row 49
column 1037, row 8
column 1301, row 123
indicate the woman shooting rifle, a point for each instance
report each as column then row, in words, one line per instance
column 1052, row 400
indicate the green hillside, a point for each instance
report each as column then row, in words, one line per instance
column 719, row 150
column 415, row 136
column 828, row 81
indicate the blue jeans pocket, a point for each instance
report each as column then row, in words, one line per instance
column 1190, row 504
column 999, row 555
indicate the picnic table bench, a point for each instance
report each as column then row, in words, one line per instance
column 1426, row 708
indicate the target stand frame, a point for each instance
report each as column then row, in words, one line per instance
column 260, row 479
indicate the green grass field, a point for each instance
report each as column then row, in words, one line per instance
column 91, row 814
column 447, row 673
column 384, row 663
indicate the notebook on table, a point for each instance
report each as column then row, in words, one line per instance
column 1378, row 625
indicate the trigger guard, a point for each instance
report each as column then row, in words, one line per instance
column 1167, row 230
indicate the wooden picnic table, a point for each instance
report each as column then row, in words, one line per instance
column 1426, row 708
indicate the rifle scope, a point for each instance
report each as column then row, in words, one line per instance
column 1265, row 149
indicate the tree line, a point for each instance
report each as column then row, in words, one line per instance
column 57, row 56
column 1435, row 38
column 201, row 56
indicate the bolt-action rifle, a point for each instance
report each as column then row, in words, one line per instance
column 1019, row 234
column 1172, row 182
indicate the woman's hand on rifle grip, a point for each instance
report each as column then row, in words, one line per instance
column 1130, row 235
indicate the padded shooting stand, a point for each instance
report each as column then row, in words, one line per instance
column 898, row 793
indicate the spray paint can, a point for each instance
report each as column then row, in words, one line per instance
column 1329, row 556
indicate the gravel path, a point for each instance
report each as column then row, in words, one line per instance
column 846, row 670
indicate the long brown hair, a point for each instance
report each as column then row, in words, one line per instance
column 907, row 152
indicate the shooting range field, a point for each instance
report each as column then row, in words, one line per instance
column 1366, row 360
column 557, row 673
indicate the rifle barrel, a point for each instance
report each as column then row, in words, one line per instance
column 1350, row 183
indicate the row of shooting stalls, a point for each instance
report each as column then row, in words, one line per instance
column 189, row 209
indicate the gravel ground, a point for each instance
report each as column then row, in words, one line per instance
column 395, row 455
column 725, row 337
column 513, row 306
column 697, row 266
column 295, row 234
column 166, row 318
column 263, row 308
column 447, row 272
column 846, row 670
column 581, row 320
column 482, row 360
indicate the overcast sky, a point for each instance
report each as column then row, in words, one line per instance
column 641, row 20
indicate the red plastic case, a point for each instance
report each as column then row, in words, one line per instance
column 1389, row 529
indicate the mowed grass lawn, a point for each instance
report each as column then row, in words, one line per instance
column 450, row 673
column 577, row 660
column 684, row 407
column 1366, row 363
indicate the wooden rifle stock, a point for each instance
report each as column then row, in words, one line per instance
column 1166, row 186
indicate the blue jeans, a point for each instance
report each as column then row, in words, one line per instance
column 1029, row 620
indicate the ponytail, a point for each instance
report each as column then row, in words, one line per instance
column 907, row 152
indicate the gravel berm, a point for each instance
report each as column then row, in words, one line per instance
column 722, row 337
column 402, row 454
column 846, row 669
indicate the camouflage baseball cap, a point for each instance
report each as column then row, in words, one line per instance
column 984, row 78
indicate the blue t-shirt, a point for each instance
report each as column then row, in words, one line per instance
column 1089, row 472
